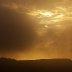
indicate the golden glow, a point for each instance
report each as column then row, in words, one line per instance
column 41, row 13
column 52, row 24
column 50, row 17
column 54, row 16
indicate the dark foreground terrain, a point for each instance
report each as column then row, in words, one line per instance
column 49, row 65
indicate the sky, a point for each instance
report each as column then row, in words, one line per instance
column 36, row 29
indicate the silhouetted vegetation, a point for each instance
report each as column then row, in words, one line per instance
column 49, row 65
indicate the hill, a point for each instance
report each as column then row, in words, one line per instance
column 45, row 65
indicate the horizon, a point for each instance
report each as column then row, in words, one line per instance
column 36, row 59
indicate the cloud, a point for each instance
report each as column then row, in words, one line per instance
column 16, row 30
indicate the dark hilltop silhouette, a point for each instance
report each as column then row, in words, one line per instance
column 44, row 65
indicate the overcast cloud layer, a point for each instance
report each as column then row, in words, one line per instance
column 18, row 32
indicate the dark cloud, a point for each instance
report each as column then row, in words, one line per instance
column 16, row 30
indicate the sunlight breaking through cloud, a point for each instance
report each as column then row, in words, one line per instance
column 49, row 17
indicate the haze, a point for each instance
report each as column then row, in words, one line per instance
column 49, row 28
